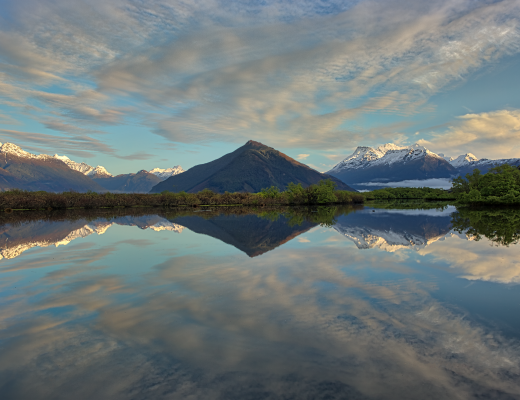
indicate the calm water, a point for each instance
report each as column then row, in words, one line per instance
column 327, row 304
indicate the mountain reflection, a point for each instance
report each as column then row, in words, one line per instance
column 132, row 317
column 249, row 233
column 392, row 230
column 18, row 236
column 256, row 232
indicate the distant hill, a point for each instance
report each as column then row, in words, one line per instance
column 250, row 168
column 22, row 170
column 143, row 181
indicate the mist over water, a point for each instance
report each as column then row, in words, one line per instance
column 326, row 303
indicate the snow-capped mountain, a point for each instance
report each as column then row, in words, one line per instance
column 166, row 173
column 23, row 170
column 84, row 168
column 393, row 163
column 462, row 160
column 12, row 149
column 386, row 154
column 468, row 162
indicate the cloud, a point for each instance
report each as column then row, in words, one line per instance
column 302, row 156
column 491, row 135
column 142, row 155
column 302, row 73
column 436, row 183
column 82, row 146
column 291, row 312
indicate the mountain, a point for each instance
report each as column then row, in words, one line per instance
column 20, row 169
column 392, row 163
column 84, row 168
column 250, row 168
column 166, row 173
column 466, row 163
column 143, row 181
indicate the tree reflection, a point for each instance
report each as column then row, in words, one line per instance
column 501, row 226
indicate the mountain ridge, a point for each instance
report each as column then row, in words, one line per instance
column 393, row 163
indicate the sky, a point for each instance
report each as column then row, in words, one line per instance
column 139, row 84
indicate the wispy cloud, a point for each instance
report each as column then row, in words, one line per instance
column 301, row 73
column 82, row 146
column 493, row 134
column 302, row 156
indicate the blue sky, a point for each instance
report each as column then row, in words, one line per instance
column 135, row 85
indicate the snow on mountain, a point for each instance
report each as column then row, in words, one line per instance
column 166, row 173
column 360, row 158
column 386, row 154
column 99, row 172
column 81, row 167
column 11, row 148
column 468, row 162
column 84, row 168
column 463, row 160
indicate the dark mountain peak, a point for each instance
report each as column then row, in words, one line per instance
column 253, row 144
column 249, row 168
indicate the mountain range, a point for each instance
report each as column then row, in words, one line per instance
column 20, row 169
column 393, row 163
column 250, row 168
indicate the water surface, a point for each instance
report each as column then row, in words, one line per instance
column 367, row 303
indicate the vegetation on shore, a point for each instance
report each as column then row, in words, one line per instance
column 322, row 193
column 499, row 186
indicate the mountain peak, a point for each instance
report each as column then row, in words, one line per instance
column 463, row 159
column 166, row 173
column 99, row 172
column 252, row 143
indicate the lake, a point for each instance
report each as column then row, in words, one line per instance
column 375, row 302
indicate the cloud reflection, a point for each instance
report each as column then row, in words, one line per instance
column 291, row 323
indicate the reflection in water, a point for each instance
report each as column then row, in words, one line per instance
column 501, row 226
column 393, row 230
column 248, row 233
column 19, row 237
column 133, row 317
